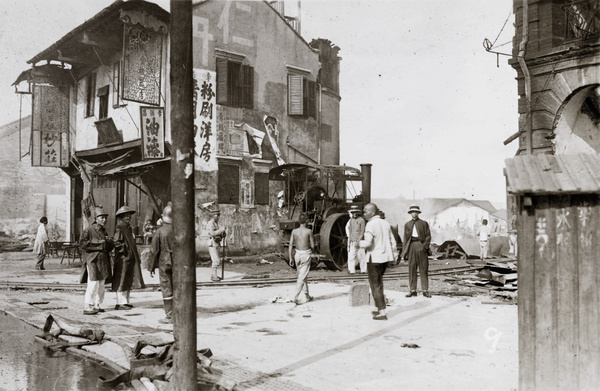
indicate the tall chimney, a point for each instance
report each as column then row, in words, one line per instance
column 366, row 181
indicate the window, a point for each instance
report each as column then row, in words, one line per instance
column 228, row 187
column 90, row 94
column 235, row 83
column 581, row 19
column 261, row 188
column 103, row 102
column 302, row 96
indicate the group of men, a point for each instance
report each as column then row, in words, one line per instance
column 372, row 245
column 125, row 271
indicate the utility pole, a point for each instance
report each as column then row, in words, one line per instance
column 182, row 196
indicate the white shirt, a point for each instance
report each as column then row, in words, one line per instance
column 379, row 241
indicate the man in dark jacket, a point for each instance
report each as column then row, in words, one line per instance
column 127, row 265
column 96, row 246
column 161, row 256
column 417, row 238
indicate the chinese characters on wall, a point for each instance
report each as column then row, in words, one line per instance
column 153, row 132
column 204, row 102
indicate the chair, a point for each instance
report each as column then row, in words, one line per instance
column 71, row 250
column 54, row 249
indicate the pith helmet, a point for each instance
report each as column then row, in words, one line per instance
column 124, row 210
column 414, row 208
column 99, row 211
column 354, row 209
column 166, row 215
column 215, row 211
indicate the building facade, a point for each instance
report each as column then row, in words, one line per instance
column 263, row 97
column 556, row 56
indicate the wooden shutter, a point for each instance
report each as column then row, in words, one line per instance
column 295, row 101
column 310, row 105
column 229, row 184
column 222, row 78
column 261, row 188
column 247, row 86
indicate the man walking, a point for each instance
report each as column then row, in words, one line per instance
column 303, row 239
column 417, row 238
column 355, row 229
column 215, row 235
column 161, row 255
column 128, row 272
column 380, row 247
column 41, row 244
column 96, row 246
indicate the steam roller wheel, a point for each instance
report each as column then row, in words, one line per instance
column 334, row 241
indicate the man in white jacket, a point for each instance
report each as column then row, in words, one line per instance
column 380, row 247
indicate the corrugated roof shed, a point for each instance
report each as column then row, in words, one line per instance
column 553, row 174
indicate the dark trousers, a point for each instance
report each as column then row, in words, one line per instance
column 40, row 261
column 417, row 259
column 165, row 275
column 375, row 272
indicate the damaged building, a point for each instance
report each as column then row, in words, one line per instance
column 263, row 97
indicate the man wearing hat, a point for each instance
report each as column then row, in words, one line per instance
column 128, row 271
column 215, row 235
column 417, row 238
column 96, row 246
column 162, row 258
column 355, row 229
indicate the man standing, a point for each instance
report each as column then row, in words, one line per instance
column 41, row 244
column 355, row 229
column 302, row 238
column 128, row 272
column 417, row 238
column 380, row 247
column 96, row 246
column 484, row 233
column 215, row 235
column 161, row 255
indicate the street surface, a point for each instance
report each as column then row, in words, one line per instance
column 443, row 343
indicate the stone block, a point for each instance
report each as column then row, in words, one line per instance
column 359, row 295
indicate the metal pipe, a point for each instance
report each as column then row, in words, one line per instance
column 182, row 197
column 366, row 181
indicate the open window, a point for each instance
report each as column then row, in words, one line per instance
column 90, row 94
column 302, row 96
column 235, row 83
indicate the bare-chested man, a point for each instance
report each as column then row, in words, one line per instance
column 302, row 238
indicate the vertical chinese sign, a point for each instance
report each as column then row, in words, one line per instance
column 142, row 64
column 50, row 125
column 205, row 120
column 153, row 132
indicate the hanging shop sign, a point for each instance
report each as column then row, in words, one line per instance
column 153, row 132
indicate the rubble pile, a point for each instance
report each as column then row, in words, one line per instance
column 499, row 279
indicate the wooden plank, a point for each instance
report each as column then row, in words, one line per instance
column 581, row 174
column 526, row 299
column 549, row 182
column 514, row 180
column 525, row 181
column 532, row 172
column 562, row 175
column 588, row 212
column 567, row 319
column 546, row 333
column 592, row 163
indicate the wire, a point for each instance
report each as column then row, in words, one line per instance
column 502, row 29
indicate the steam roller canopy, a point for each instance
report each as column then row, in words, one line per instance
column 334, row 242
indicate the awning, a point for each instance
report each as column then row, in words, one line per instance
column 132, row 169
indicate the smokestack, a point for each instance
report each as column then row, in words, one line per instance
column 366, row 181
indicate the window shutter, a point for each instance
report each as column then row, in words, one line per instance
column 229, row 184
column 261, row 188
column 222, row 93
column 311, row 103
column 295, row 101
column 247, row 86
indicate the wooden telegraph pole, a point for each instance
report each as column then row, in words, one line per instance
column 182, row 197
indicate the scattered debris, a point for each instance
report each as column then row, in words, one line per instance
column 264, row 262
column 410, row 345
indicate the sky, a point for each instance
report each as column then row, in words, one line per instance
column 422, row 100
